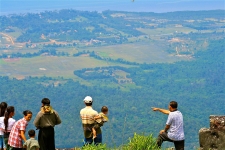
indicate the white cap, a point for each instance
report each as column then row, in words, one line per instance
column 88, row 99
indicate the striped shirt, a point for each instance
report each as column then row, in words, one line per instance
column 15, row 139
column 87, row 115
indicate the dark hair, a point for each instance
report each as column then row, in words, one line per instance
column 104, row 109
column 173, row 104
column 88, row 104
column 7, row 113
column 3, row 107
column 31, row 133
column 45, row 101
column 26, row 112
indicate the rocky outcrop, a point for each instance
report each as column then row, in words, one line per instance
column 214, row 137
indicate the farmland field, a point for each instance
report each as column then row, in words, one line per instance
column 49, row 66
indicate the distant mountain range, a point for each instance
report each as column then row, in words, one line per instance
column 22, row 6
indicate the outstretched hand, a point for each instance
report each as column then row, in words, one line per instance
column 155, row 109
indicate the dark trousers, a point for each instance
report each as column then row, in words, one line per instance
column 179, row 145
column 97, row 140
column 46, row 138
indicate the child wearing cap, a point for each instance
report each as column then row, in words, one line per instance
column 100, row 120
column 31, row 144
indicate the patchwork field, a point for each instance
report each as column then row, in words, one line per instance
column 49, row 66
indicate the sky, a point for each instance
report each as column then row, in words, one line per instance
column 21, row 6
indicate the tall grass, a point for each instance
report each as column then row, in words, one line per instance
column 95, row 147
column 137, row 142
column 141, row 142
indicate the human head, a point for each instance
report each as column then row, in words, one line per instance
column 88, row 101
column 104, row 109
column 45, row 102
column 27, row 115
column 3, row 106
column 173, row 105
column 9, row 111
column 31, row 133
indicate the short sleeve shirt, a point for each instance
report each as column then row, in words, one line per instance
column 15, row 139
column 11, row 122
column 31, row 144
column 103, row 118
column 87, row 115
column 176, row 131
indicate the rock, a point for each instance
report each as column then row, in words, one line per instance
column 214, row 137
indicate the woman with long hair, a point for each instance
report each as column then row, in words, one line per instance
column 6, row 124
column 17, row 133
column 3, row 106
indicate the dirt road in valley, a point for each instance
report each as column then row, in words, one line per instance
column 10, row 38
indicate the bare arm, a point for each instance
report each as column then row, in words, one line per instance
column 22, row 134
column 165, row 111
column 97, row 117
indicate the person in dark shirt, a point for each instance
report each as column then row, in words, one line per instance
column 45, row 121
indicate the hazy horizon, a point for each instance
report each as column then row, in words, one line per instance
column 23, row 6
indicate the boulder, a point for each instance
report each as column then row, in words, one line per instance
column 214, row 137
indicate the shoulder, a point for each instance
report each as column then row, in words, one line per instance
column 94, row 112
column 83, row 109
column 2, row 118
column 175, row 113
column 54, row 111
column 40, row 113
column 89, row 111
column 11, row 120
column 101, row 114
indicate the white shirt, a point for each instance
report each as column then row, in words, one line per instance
column 176, row 131
column 11, row 122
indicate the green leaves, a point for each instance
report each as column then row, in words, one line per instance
column 141, row 142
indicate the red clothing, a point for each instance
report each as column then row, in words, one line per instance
column 15, row 139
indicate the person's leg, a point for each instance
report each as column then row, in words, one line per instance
column 42, row 139
column 179, row 145
column 94, row 133
column 161, row 138
column 6, row 144
column 51, row 138
column 1, row 142
column 6, row 138
column 87, row 141
column 98, row 139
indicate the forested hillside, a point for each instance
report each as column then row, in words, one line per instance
column 197, row 85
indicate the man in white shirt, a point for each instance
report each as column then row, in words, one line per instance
column 174, row 130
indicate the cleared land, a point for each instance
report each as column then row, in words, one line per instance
column 49, row 66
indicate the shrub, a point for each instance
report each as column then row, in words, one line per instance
column 137, row 142
column 141, row 142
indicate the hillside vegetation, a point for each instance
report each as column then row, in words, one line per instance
column 149, row 66
column 196, row 85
